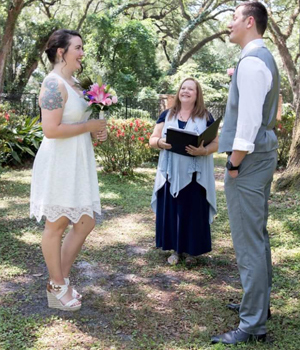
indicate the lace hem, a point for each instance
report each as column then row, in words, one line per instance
column 55, row 212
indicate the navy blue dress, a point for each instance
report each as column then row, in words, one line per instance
column 182, row 223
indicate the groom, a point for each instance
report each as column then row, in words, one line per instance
column 249, row 140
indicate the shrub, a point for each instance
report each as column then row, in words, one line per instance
column 127, row 145
column 20, row 136
column 284, row 132
column 134, row 113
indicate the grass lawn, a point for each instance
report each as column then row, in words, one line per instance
column 132, row 298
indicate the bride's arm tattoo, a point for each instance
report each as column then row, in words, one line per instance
column 52, row 98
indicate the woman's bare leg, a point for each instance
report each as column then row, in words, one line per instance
column 51, row 247
column 73, row 242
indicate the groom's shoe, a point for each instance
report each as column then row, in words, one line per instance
column 236, row 308
column 237, row 336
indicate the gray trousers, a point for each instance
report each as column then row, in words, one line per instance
column 247, row 201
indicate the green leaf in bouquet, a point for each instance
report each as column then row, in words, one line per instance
column 99, row 80
column 107, row 88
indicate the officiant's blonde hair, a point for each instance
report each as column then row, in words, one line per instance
column 199, row 110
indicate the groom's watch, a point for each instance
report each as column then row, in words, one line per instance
column 229, row 166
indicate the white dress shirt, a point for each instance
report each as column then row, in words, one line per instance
column 254, row 81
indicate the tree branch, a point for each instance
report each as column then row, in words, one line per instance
column 165, row 31
column 164, row 45
column 27, row 3
column 286, row 57
column 184, row 14
column 292, row 21
column 128, row 5
column 82, row 19
column 201, row 44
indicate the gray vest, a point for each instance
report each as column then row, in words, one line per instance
column 266, row 139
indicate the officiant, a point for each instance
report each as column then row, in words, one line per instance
column 184, row 197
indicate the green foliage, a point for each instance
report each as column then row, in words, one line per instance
column 127, row 145
column 284, row 132
column 125, row 52
column 135, row 280
column 16, row 328
column 131, row 113
column 214, row 85
column 20, row 136
column 147, row 93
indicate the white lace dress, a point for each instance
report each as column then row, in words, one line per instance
column 64, row 177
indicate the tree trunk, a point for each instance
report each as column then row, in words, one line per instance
column 291, row 176
column 31, row 63
column 7, row 39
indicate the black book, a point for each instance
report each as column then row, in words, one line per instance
column 180, row 138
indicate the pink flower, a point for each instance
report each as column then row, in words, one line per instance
column 230, row 71
column 95, row 144
column 108, row 102
column 6, row 116
column 132, row 137
column 98, row 94
column 114, row 99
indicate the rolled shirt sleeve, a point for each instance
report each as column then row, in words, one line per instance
column 254, row 81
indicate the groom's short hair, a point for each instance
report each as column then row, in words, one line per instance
column 258, row 11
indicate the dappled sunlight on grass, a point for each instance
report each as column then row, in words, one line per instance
column 67, row 335
column 11, row 271
column 110, row 195
column 132, row 298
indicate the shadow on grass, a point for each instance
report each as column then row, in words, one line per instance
column 125, row 301
column 13, row 188
column 133, row 298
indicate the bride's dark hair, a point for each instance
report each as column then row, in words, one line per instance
column 59, row 39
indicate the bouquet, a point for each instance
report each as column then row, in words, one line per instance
column 100, row 96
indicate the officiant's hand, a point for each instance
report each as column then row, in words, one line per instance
column 197, row 151
column 161, row 143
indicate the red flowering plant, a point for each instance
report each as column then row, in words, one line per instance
column 20, row 136
column 127, row 145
